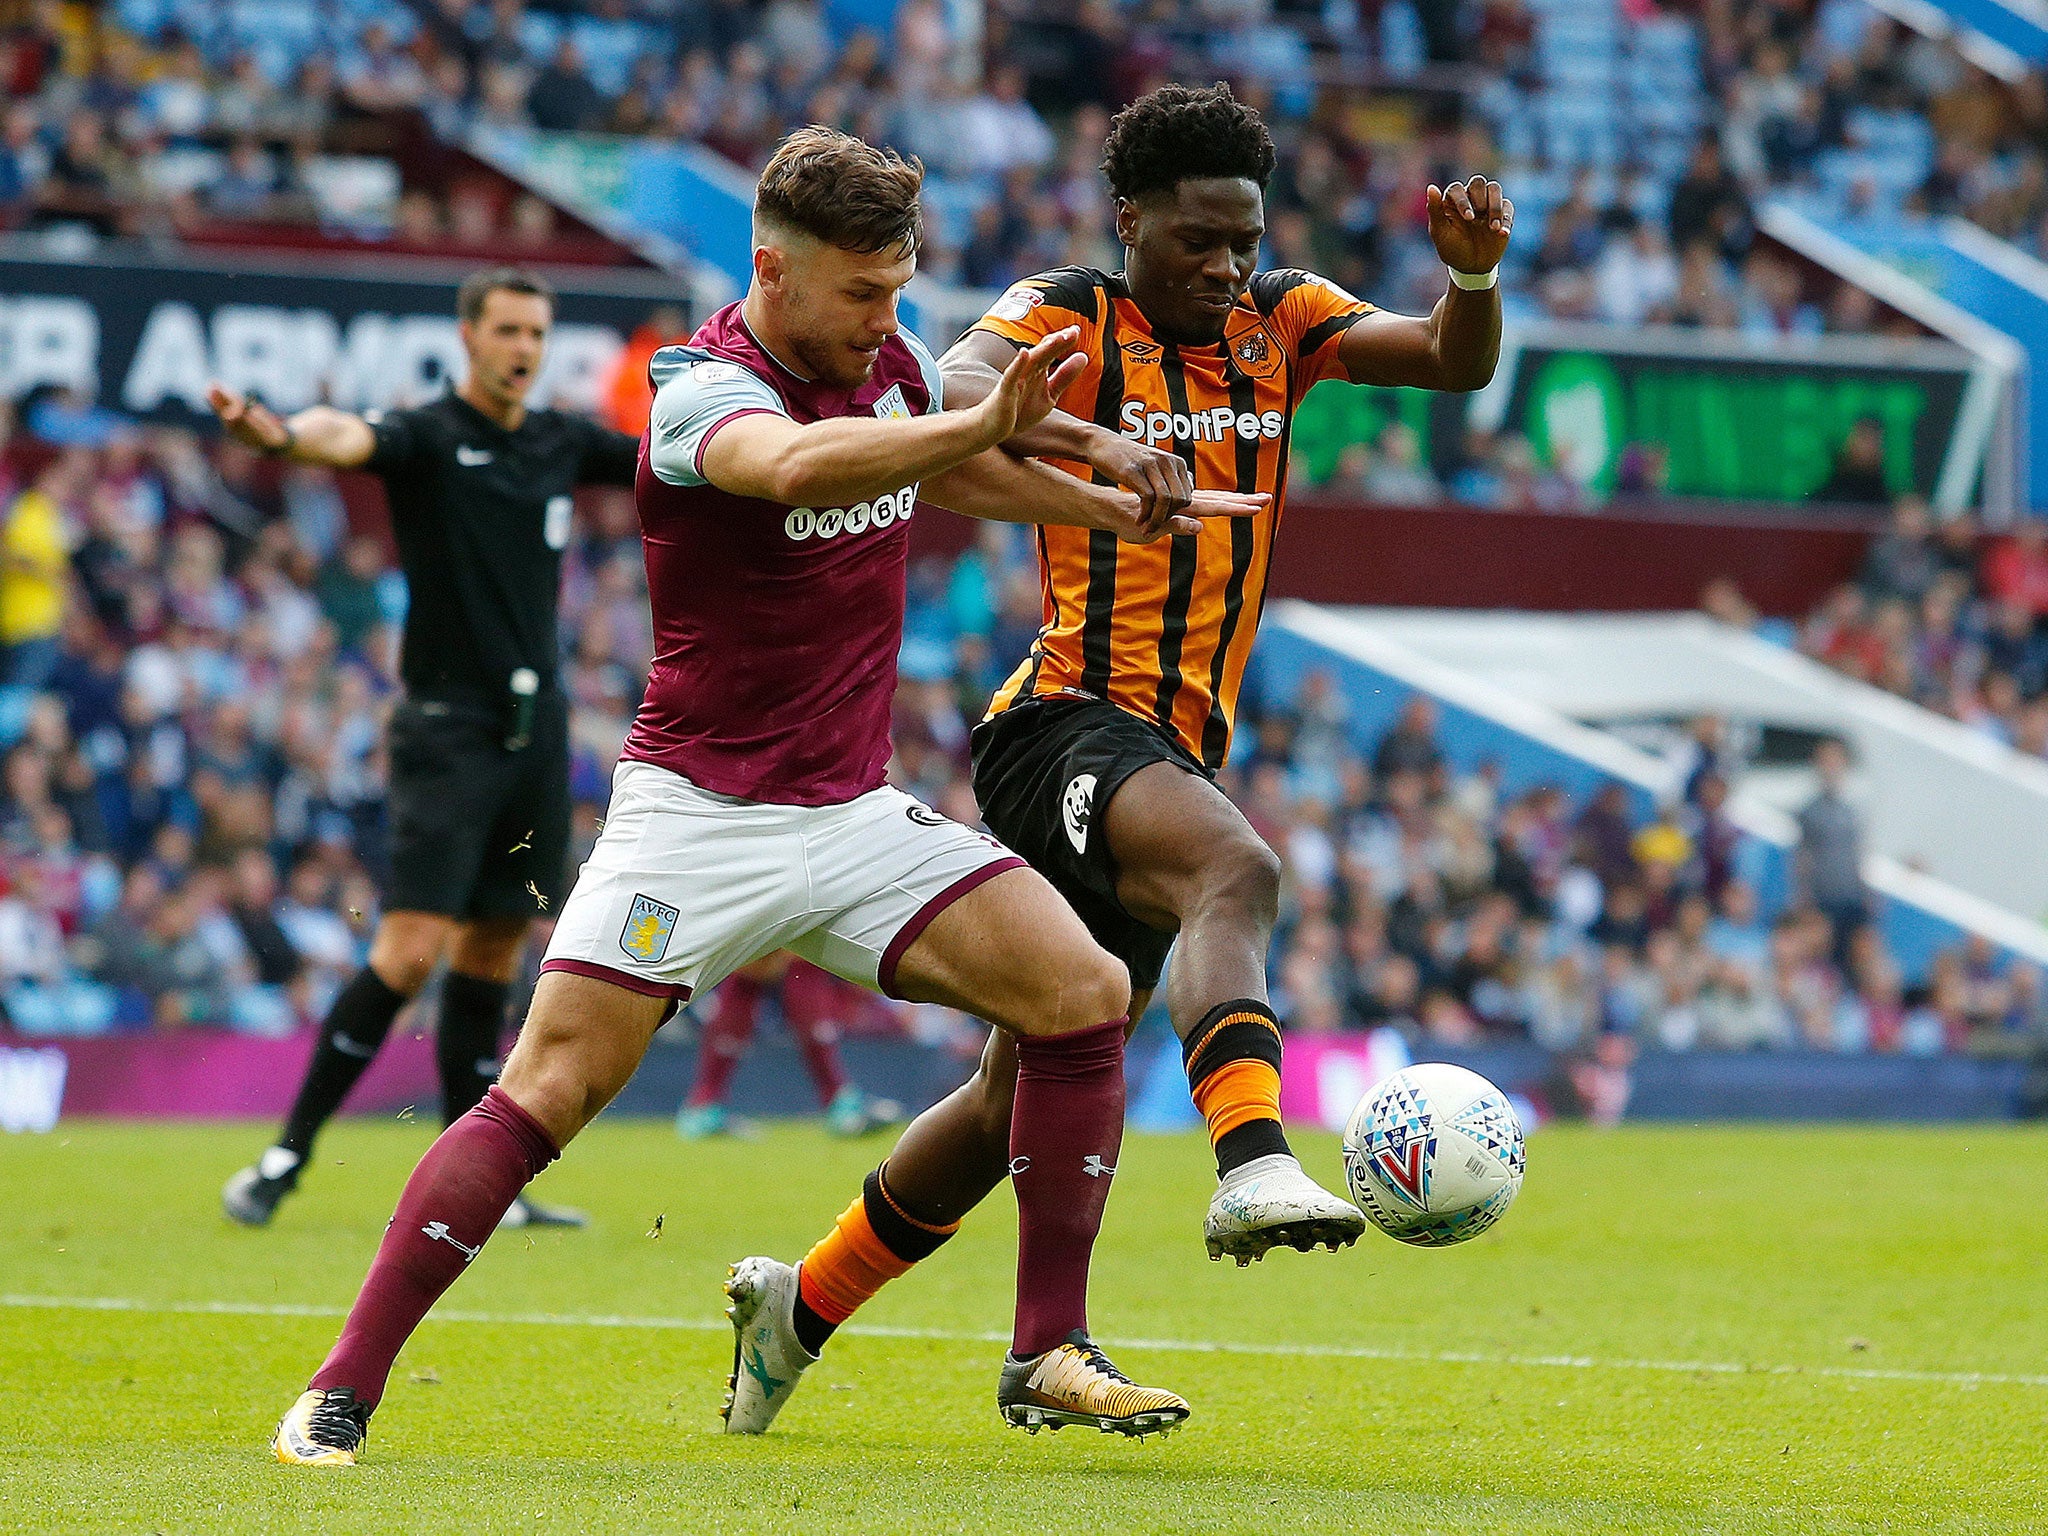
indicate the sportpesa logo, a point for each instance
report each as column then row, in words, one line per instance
column 1212, row 426
column 806, row 523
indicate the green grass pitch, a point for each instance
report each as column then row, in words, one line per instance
column 1686, row 1330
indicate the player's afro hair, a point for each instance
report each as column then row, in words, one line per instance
column 1179, row 132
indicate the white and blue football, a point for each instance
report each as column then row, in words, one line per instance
column 1433, row 1154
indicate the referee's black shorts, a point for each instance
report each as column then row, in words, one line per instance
column 477, row 830
column 1044, row 772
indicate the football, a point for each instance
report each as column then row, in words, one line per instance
column 1433, row 1154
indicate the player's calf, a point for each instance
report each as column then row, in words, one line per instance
column 582, row 1041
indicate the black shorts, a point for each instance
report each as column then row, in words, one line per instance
column 473, row 825
column 1044, row 772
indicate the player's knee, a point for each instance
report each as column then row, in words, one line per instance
column 404, row 951
column 1243, row 877
column 402, row 968
column 1088, row 990
column 562, row 1074
column 560, row 1091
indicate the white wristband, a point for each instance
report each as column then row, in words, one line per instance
column 1474, row 282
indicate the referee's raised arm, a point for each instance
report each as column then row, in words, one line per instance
column 317, row 435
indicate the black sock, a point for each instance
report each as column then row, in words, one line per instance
column 811, row 1330
column 350, row 1038
column 466, row 1044
column 1243, row 1029
column 904, row 1235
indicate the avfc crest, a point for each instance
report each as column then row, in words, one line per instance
column 1254, row 353
column 649, row 926
column 892, row 406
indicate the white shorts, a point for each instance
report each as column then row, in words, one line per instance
column 684, row 886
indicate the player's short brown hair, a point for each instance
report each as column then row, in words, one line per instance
column 842, row 191
column 479, row 286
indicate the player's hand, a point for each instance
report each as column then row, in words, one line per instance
column 249, row 421
column 1470, row 222
column 1127, row 519
column 1032, row 384
column 1163, row 482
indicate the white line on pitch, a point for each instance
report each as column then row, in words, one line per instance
column 957, row 1336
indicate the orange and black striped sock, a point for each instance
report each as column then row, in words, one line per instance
column 873, row 1242
column 1233, row 1062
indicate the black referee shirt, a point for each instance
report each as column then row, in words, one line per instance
column 482, row 516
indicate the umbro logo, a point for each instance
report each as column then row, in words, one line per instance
column 1142, row 351
column 472, row 458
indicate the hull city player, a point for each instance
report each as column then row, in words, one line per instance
column 750, row 813
column 480, row 490
column 1097, row 759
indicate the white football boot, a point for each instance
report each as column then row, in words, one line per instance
column 767, row 1358
column 1270, row 1203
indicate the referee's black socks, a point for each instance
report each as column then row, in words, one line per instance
column 466, row 1044
column 350, row 1038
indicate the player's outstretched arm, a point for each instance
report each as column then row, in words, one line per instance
column 1162, row 480
column 999, row 487
column 1458, row 345
column 317, row 435
column 848, row 459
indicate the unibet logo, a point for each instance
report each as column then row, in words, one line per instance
column 805, row 522
column 1211, row 426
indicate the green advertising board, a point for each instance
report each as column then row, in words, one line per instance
column 1334, row 415
column 1737, row 420
column 1749, row 429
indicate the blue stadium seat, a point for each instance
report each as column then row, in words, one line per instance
column 952, row 202
column 145, row 18
column 1402, row 52
column 609, row 49
column 540, row 33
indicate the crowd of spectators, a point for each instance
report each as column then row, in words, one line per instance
column 152, row 115
column 1943, row 617
column 165, row 131
column 196, row 652
column 1860, row 114
column 198, row 656
column 1424, row 897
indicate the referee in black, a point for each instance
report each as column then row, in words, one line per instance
column 481, row 495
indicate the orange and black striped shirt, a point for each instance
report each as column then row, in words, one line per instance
column 1164, row 630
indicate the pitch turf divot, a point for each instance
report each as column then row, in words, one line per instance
column 957, row 1336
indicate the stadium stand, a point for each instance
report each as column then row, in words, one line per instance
column 193, row 792
column 203, row 120
column 197, row 649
